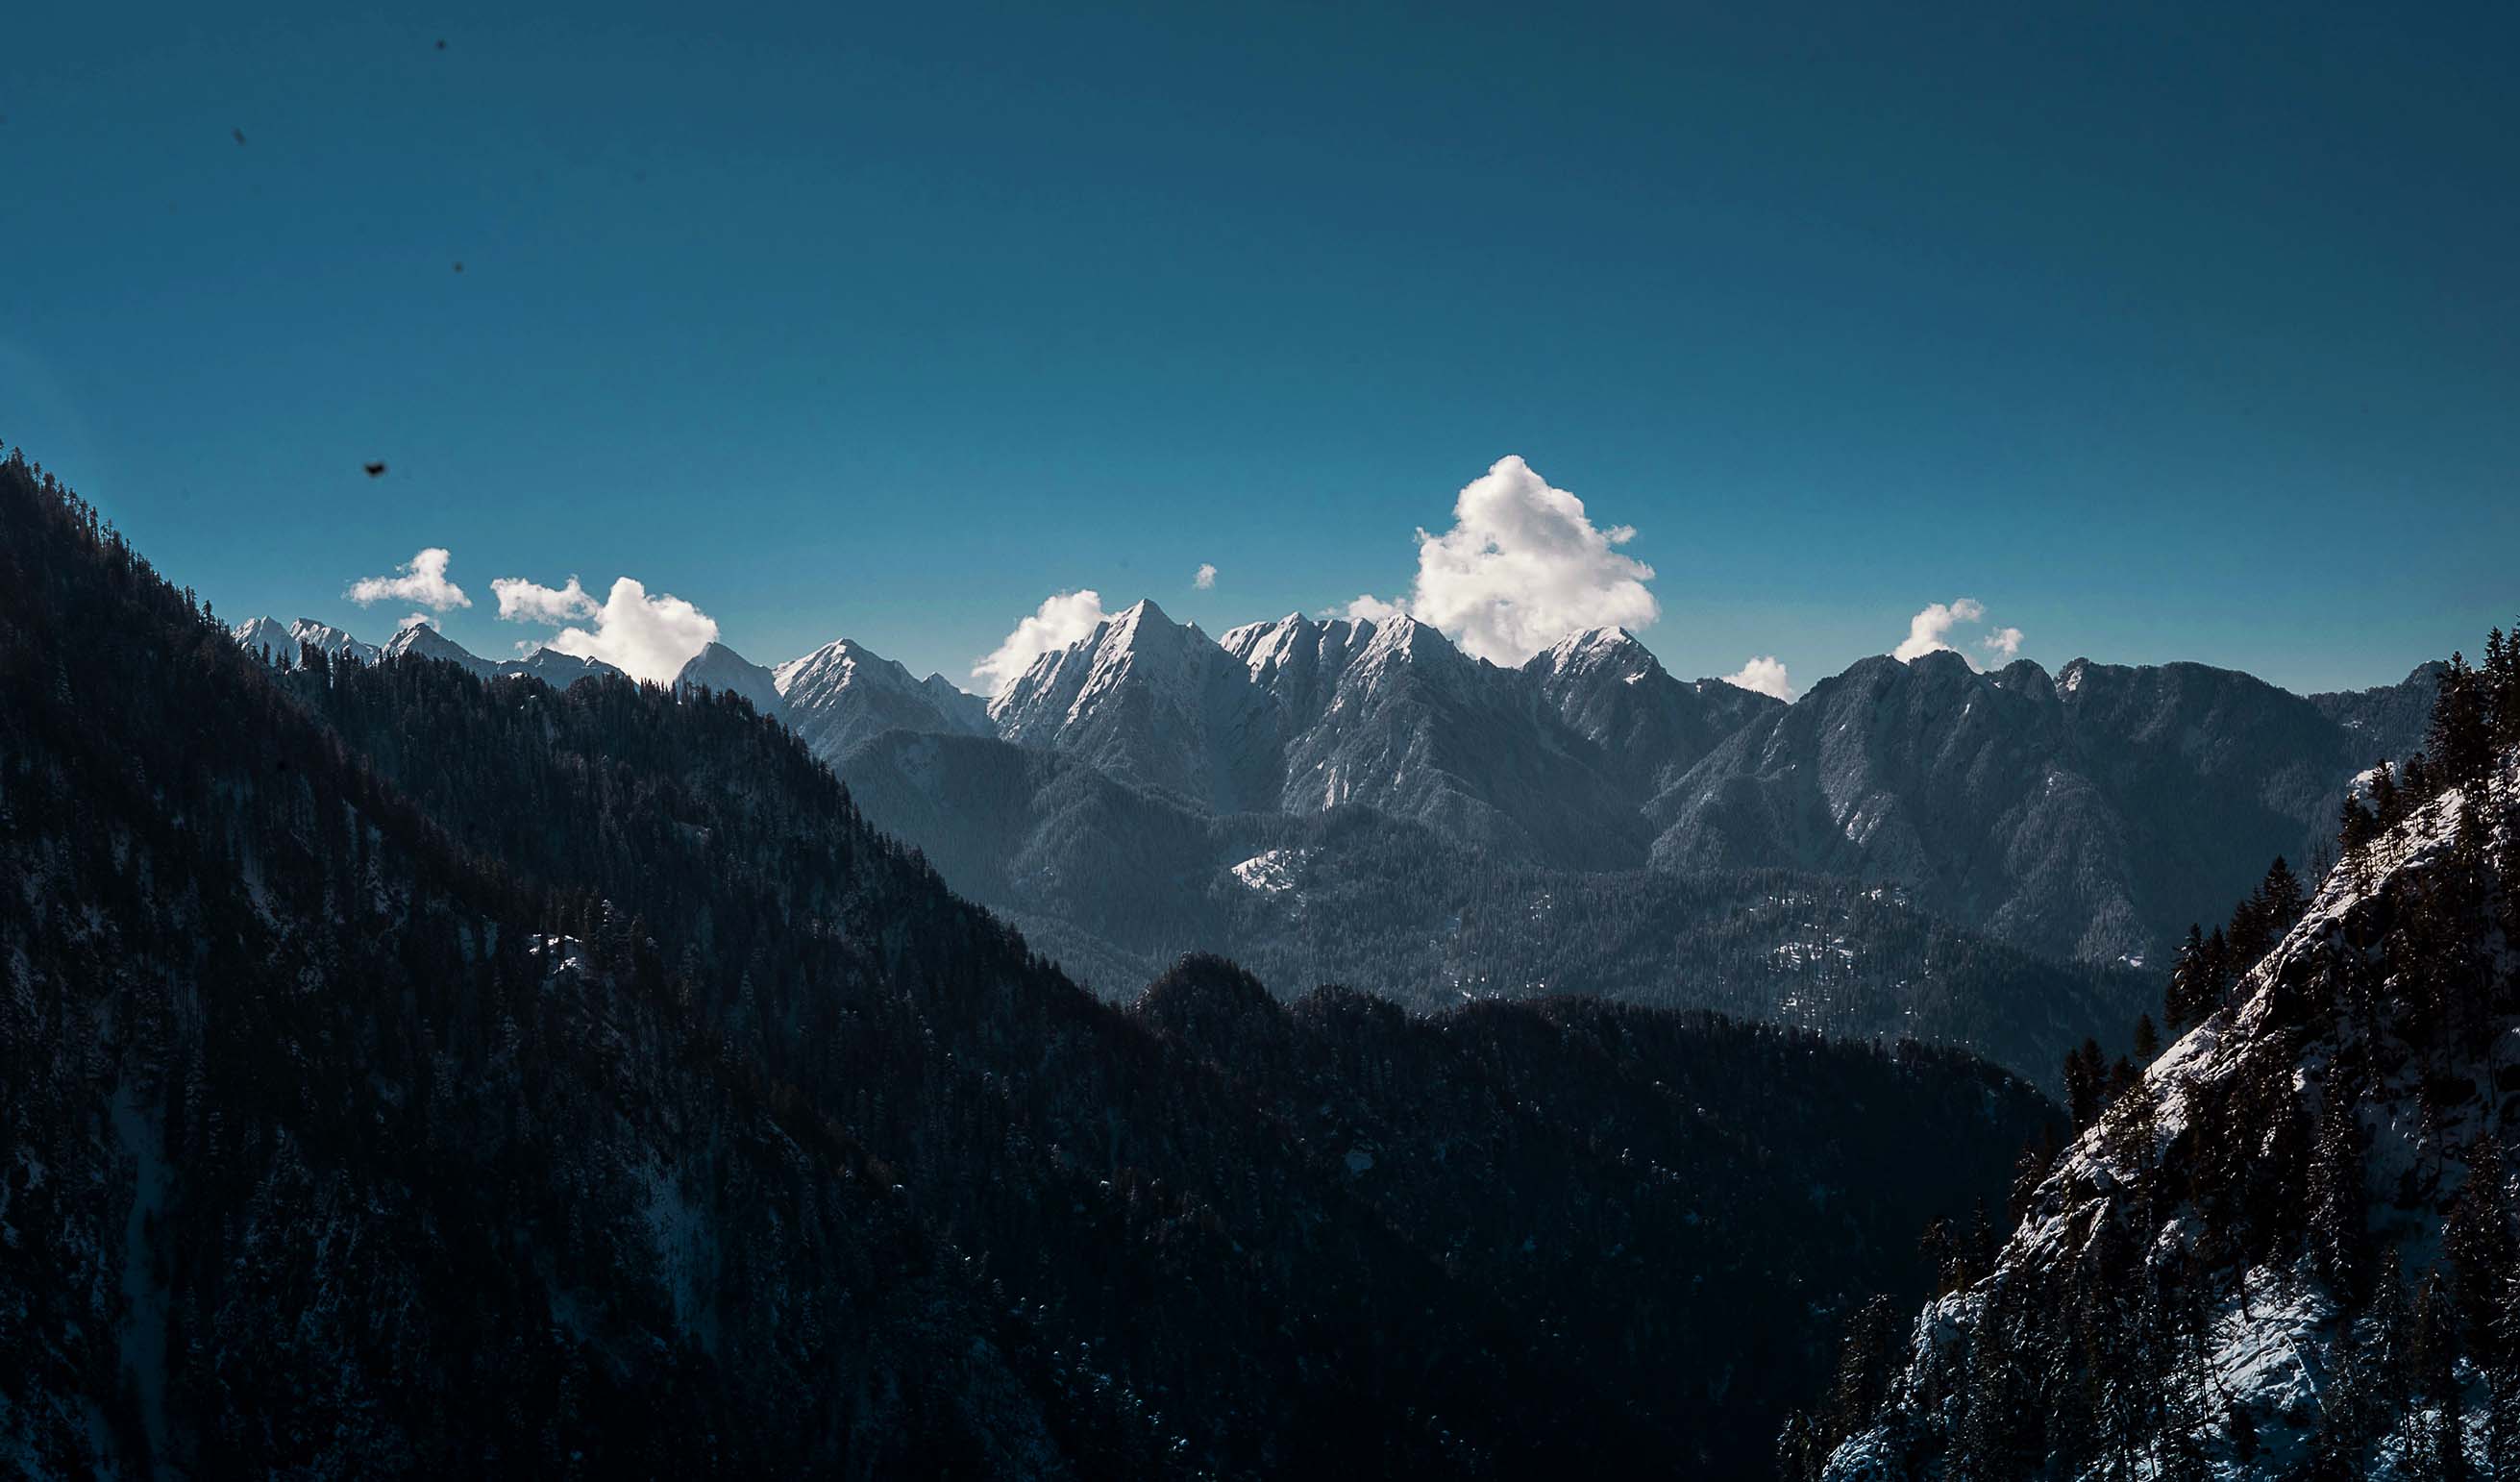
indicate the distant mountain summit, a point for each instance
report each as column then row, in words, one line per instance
column 720, row 668
column 840, row 694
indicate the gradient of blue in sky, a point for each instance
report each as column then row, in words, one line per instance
column 2165, row 331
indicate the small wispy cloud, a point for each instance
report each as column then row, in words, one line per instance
column 421, row 579
column 2003, row 642
column 1204, row 578
column 1764, row 675
column 1061, row 619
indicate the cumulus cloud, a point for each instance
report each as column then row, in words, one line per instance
column 644, row 637
column 527, row 601
column 1764, row 675
column 416, row 620
column 1061, row 619
column 421, row 579
column 1522, row 566
column 1205, row 577
column 1930, row 632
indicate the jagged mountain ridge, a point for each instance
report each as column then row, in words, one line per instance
column 2083, row 816
column 264, row 637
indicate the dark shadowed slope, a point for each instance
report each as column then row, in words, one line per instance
column 408, row 1073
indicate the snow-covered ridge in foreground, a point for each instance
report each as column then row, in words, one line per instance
column 2268, row 1258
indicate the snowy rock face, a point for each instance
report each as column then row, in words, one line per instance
column 1299, row 717
column 1152, row 702
column 2288, row 1251
column 1649, row 726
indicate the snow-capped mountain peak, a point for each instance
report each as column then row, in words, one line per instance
column 719, row 667
column 843, row 694
column 1596, row 648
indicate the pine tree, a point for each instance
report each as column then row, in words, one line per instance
column 2478, row 1241
column 2433, row 1360
column 1862, row 1372
column 2339, row 1202
column 2086, row 1083
column 2460, row 742
column 2191, row 991
column 2502, row 1380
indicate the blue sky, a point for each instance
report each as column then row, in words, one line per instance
column 2161, row 334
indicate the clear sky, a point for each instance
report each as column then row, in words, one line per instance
column 2161, row 331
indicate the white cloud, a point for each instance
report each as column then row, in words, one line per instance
column 526, row 602
column 1061, row 619
column 644, row 637
column 1927, row 630
column 1765, row 675
column 421, row 579
column 416, row 620
column 1522, row 566
column 2003, row 642
column 1205, row 577
column 1370, row 610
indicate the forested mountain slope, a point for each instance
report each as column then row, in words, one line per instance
column 2288, row 1249
column 408, row 1073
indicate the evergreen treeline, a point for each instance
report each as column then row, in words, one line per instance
column 2291, row 1250
column 410, row 1074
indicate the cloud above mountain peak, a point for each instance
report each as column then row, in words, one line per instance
column 421, row 579
column 1522, row 566
column 644, row 637
column 1061, row 619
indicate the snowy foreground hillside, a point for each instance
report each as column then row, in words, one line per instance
column 2287, row 1251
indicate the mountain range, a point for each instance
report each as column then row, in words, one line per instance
column 288, row 647
column 2079, row 816
column 1149, row 791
